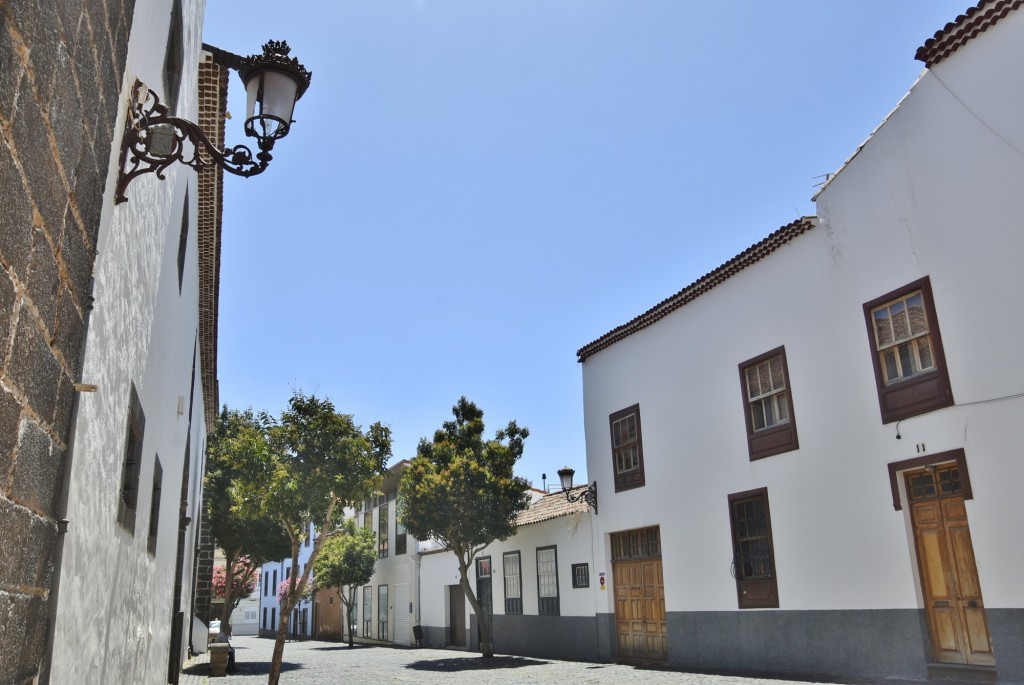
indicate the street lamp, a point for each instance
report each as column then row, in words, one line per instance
column 154, row 140
column 588, row 494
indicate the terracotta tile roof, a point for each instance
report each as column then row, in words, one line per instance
column 551, row 506
column 751, row 255
column 965, row 27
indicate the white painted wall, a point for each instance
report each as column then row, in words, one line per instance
column 572, row 537
column 936, row 191
column 114, row 616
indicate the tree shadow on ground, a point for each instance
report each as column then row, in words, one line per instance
column 242, row 668
column 338, row 648
column 473, row 664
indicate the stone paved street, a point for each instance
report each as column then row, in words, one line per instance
column 320, row 663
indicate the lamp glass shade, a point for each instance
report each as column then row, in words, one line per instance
column 271, row 96
column 565, row 475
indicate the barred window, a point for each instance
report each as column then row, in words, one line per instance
column 513, row 583
column 547, row 581
column 580, row 575
column 753, row 553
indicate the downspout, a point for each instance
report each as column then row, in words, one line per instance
column 60, row 515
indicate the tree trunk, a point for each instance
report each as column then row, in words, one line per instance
column 282, row 633
column 486, row 648
column 229, row 580
column 287, row 604
column 348, row 619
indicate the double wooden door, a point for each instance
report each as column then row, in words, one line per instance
column 640, row 626
column 949, row 577
column 640, row 609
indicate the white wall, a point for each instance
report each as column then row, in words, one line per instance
column 572, row 538
column 936, row 192
column 114, row 616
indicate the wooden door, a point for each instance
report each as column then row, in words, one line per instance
column 640, row 624
column 457, row 616
column 949, row 577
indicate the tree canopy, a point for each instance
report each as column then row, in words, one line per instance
column 249, row 538
column 302, row 470
column 461, row 490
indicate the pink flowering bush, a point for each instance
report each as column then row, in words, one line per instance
column 244, row 581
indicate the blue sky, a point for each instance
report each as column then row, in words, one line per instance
column 474, row 189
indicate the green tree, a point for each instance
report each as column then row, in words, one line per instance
column 308, row 466
column 346, row 561
column 461, row 491
column 249, row 539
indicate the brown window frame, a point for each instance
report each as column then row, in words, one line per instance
column 131, row 467
column 958, row 456
column 154, row 507
column 925, row 391
column 759, row 593
column 782, row 437
column 634, row 478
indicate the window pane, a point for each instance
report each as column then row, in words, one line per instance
column 753, row 387
column 892, row 371
column 900, row 323
column 631, row 428
column 778, row 380
column 918, row 318
column 547, row 578
column 924, row 351
column 883, row 329
column 764, row 377
column 757, row 413
column 783, row 407
column 512, row 581
column 908, row 360
column 769, row 412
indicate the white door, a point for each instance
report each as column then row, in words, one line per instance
column 402, row 614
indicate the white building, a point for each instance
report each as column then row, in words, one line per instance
column 272, row 574
column 134, row 485
column 809, row 452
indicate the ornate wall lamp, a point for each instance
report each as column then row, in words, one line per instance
column 588, row 494
column 153, row 140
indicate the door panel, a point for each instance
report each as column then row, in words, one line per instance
column 640, row 609
column 949, row 576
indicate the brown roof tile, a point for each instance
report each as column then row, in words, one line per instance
column 752, row 254
column 551, row 506
column 965, row 27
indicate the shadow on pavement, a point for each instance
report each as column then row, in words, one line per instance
column 473, row 664
column 242, row 668
column 337, row 648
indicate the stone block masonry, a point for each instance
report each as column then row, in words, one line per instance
column 61, row 68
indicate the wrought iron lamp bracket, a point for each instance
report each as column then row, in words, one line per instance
column 154, row 140
column 587, row 494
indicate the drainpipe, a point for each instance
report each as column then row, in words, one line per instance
column 60, row 516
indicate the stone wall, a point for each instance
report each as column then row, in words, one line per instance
column 61, row 65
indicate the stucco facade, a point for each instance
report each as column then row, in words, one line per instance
column 933, row 198
column 109, row 364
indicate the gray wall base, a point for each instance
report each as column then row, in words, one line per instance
column 1007, row 629
column 573, row 638
column 884, row 643
column 435, row 637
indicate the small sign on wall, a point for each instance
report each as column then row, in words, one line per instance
column 601, row 581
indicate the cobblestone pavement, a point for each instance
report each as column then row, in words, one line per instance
column 320, row 663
